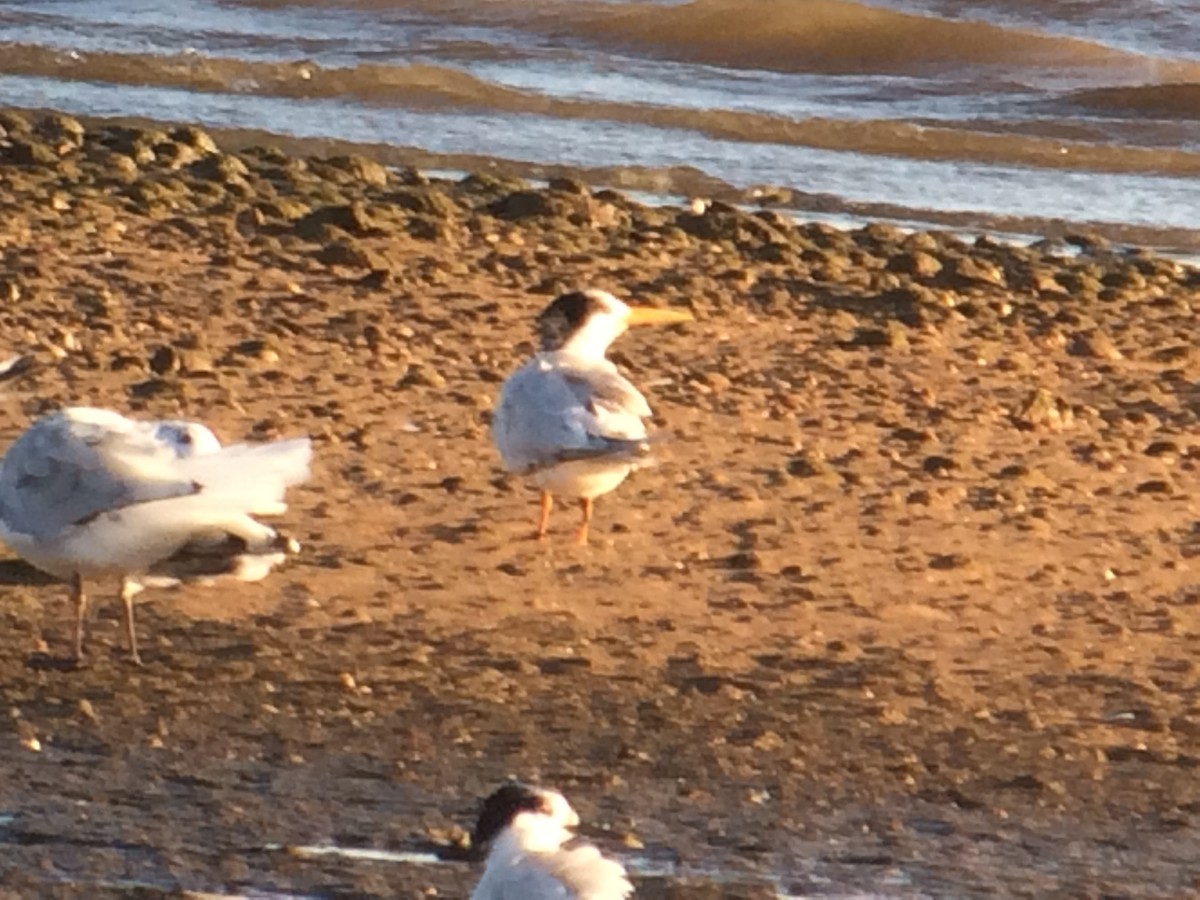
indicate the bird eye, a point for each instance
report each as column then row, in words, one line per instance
column 185, row 439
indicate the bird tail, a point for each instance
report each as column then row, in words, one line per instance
column 638, row 452
column 249, row 478
column 607, row 448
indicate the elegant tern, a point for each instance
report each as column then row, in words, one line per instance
column 567, row 419
column 524, row 830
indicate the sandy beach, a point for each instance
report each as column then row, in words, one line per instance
column 909, row 605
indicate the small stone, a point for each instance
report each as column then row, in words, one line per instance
column 424, row 376
column 15, row 123
column 175, row 155
column 31, row 153
column 221, row 168
column 969, row 271
column 528, row 205
column 715, row 382
column 347, row 253
column 427, row 201
column 939, row 465
column 1088, row 243
column 1081, row 284
column 88, row 711
column 350, row 217
column 1043, row 409
column 195, row 138
column 362, row 169
column 916, row 263
column 1161, row 449
column 62, row 132
column 947, row 561
column 164, row 359
column 1154, row 486
column 122, row 167
column 1095, row 344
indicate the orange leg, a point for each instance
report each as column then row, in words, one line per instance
column 544, row 518
column 585, row 507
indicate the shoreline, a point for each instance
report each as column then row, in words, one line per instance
column 681, row 183
column 910, row 598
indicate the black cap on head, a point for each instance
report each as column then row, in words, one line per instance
column 502, row 807
column 562, row 317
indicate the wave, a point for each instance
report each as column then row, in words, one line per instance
column 413, row 86
column 430, row 87
column 1168, row 101
column 795, row 36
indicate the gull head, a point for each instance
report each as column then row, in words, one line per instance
column 186, row 438
column 585, row 323
column 540, row 820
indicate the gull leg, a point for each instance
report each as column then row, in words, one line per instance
column 544, row 518
column 80, row 600
column 127, row 594
column 585, row 507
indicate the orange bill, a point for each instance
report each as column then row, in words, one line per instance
column 651, row 315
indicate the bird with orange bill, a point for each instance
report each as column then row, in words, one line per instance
column 567, row 419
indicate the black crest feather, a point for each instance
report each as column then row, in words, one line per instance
column 502, row 807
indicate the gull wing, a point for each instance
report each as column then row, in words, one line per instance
column 552, row 410
column 615, row 408
column 76, row 464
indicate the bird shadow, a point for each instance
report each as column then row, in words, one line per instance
column 44, row 662
column 451, row 533
column 18, row 573
column 14, row 572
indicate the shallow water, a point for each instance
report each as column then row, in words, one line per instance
column 1084, row 112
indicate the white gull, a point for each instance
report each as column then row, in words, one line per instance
column 86, row 492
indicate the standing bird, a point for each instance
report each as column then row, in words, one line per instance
column 524, row 829
column 86, row 492
column 568, row 419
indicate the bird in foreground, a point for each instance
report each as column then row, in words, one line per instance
column 567, row 419
column 86, row 492
column 524, row 829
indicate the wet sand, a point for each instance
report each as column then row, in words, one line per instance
column 909, row 605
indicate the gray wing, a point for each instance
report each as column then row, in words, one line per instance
column 551, row 411
column 73, row 465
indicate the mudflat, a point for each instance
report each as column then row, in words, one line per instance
column 909, row 605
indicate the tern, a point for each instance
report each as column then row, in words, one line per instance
column 567, row 419
column 524, row 829
column 86, row 492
